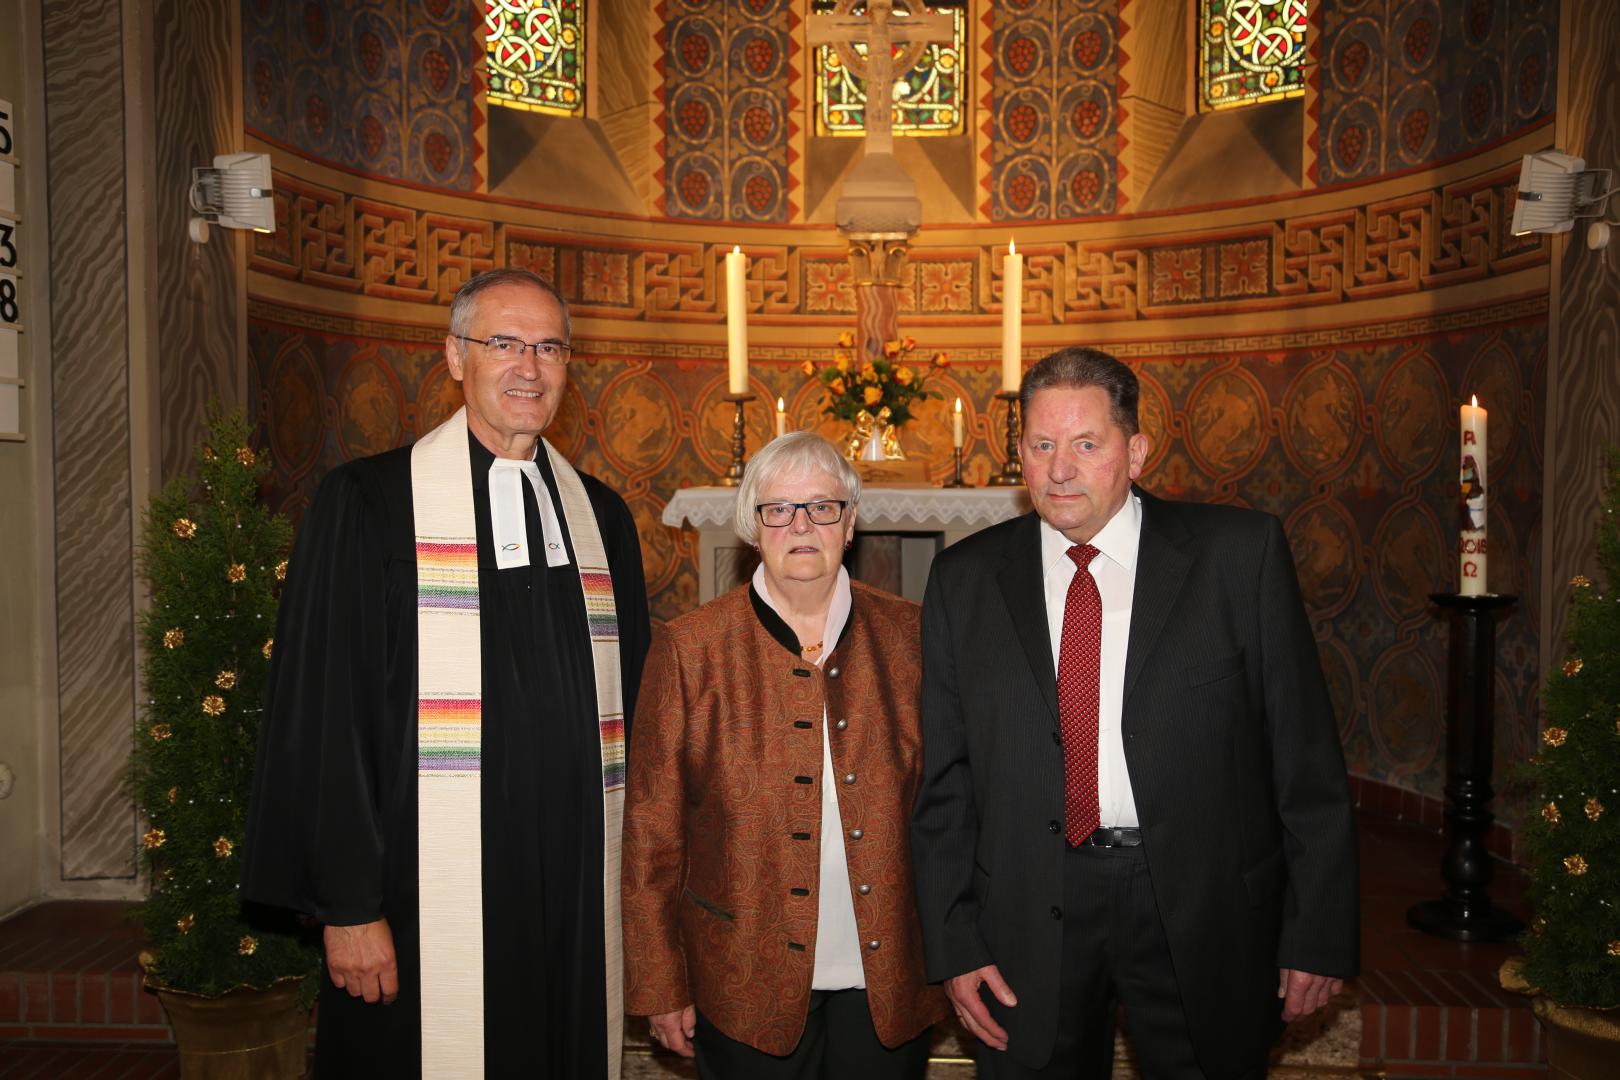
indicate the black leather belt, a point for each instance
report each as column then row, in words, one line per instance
column 1115, row 837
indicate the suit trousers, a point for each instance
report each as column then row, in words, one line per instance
column 1114, row 954
column 838, row 1042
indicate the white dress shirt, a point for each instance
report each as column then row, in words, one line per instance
column 1114, row 570
column 838, row 940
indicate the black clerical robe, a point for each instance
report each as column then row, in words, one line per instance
column 332, row 829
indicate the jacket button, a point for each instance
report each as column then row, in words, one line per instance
column 1057, row 913
column 849, row 778
column 873, row 944
column 832, row 673
column 1053, row 826
column 841, row 725
column 856, row 834
column 864, row 889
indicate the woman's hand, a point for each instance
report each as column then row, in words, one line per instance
column 674, row 1030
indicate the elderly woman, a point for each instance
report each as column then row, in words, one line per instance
column 769, row 919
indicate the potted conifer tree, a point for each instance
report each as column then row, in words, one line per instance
column 1571, row 961
column 237, row 989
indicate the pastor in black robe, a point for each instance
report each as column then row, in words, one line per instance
column 332, row 824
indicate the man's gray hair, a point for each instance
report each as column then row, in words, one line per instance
column 461, row 307
column 794, row 455
column 1076, row 368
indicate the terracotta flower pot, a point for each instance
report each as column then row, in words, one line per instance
column 244, row 1034
column 1582, row 1044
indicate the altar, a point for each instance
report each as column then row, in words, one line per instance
column 924, row 520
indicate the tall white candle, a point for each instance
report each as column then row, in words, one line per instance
column 1012, row 321
column 956, row 425
column 737, row 321
column 781, row 418
column 1471, row 546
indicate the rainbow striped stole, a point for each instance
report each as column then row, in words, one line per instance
column 449, row 724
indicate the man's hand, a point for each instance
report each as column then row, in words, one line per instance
column 360, row 959
column 674, row 1030
column 1303, row 993
column 963, row 990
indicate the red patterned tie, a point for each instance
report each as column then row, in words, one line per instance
column 1079, row 670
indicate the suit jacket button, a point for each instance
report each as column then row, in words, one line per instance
column 849, row 778
column 1057, row 913
column 873, row 944
column 1053, row 826
column 841, row 725
column 864, row 889
column 856, row 834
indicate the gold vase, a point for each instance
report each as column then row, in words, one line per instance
column 1582, row 1044
column 243, row 1034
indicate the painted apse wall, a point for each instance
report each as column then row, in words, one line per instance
column 1302, row 351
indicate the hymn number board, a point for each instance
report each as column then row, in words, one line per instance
column 11, row 274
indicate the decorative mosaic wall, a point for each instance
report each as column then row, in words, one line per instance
column 1412, row 243
column 1353, row 445
column 1051, row 116
column 1406, row 82
column 384, row 86
column 731, row 99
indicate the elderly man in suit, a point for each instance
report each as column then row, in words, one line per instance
column 1133, row 792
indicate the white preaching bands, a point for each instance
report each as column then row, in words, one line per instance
column 507, row 518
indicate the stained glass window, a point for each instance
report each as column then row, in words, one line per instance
column 928, row 99
column 536, row 52
column 1252, row 50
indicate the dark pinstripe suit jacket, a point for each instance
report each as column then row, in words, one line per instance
column 1234, row 761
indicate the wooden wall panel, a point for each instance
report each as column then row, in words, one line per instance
column 1583, row 414
column 84, row 108
column 194, row 115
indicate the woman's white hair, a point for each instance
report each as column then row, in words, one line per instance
column 796, row 454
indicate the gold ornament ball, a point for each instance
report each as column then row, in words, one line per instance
column 1575, row 865
column 1572, row 666
column 185, row 922
column 225, row 680
column 184, row 528
column 1594, row 809
column 248, row 945
column 281, row 570
column 1554, row 736
column 159, row 732
column 153, row 839
column 266, row 650
column 245, row 456
column 213, row 704
column 173, row 638
column 1549, row 813
column 236, row 574
column 223, row 848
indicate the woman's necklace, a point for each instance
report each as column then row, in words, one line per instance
column 811, row 650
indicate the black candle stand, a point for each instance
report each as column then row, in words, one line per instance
column 1465, row 912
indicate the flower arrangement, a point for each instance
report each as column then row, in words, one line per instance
column 887, row 382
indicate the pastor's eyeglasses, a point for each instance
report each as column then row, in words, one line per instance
column 779, row 515
column 510, row 348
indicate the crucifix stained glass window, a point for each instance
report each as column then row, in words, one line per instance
column 1251, row 50
column 928, row 98
column 536, row 53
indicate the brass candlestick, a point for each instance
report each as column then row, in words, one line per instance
column 956, row 475
column 734, row 474
column 1012, row 473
